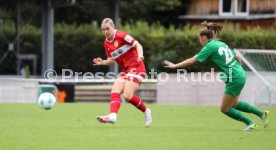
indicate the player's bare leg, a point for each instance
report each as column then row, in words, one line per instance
column 227, row 107
column 128, row 94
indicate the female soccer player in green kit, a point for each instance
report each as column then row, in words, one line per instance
column 229, row 63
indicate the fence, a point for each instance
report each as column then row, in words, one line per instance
column 169, row 92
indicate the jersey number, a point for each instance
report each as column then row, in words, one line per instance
column 228, row 54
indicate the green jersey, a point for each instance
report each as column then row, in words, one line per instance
column 222, row 56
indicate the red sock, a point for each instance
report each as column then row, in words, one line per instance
column 137, row 102
column 115, row 102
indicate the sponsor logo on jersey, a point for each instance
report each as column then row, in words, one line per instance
column 114, row 55
column 128, row 39
column 116, row 44
column 120, row 51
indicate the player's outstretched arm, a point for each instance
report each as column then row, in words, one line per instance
column 100, row 61
column 140, row 52
column 185, row 63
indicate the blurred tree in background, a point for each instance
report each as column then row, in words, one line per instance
column 78, row 37
column 83, row 12
column 165, row 12
column 76, row 45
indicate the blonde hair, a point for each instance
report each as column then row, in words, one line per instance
column 108, row 20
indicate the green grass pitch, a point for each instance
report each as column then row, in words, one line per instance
column 73, row 126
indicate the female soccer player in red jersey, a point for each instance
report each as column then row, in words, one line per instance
column 128, row 53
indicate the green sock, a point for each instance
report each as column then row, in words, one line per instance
column 235, row 114
column 245, row 107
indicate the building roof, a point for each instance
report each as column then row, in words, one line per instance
column 218, row 17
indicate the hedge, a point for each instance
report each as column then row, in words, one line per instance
column 75, row 46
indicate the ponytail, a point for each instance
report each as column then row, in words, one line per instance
column 211, row 29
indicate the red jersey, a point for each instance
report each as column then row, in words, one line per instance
column 122, row 49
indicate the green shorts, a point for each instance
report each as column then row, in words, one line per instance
column 234, row 88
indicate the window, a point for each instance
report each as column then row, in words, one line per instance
column 233, row 7
column 241, row 7
column 226, row 7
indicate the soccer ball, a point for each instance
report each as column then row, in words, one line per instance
column 46, row 100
